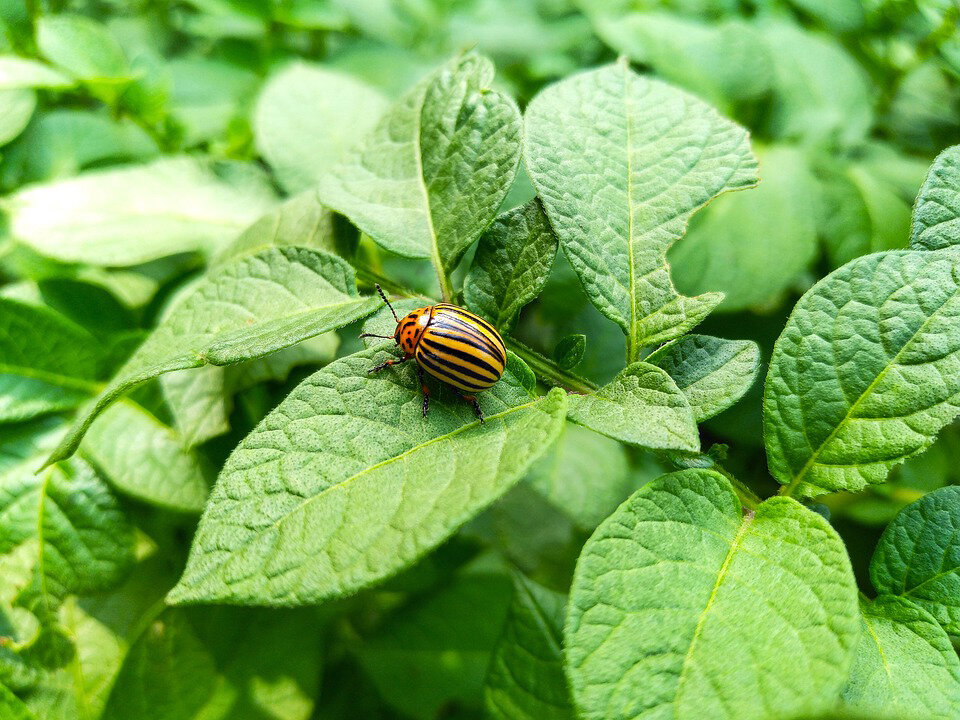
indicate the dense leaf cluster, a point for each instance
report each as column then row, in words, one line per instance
column 210, row 509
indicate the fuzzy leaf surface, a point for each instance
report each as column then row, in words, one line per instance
column 666, row 585
column 243, row 310
column 866, row 371
column 641, row 406
column 936, row 214
column 712, row 372
column 918, row 556
column 511, row 265
column 621, row 162
column 344, row 483
column 904, row 664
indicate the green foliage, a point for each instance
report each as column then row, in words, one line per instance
column 212, row 507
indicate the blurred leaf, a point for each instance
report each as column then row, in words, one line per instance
column 923, row 113
column 569, row 351
column 904, row 664
column 434, row 652
column 712, row 372
column 86, row 50
column 666, row 585
column 862, row 376
column 219, row 664
column 12, row 707
column 837, row 15
column 936, row 216
column 145, row 459
column 641, row 406
column 171, row 206
column 584, row 474
column 307, row 117
column 511, row 265
column 620, row 163
column 16, row 109
column 526, row 680
column 61, row 143
column 918, row 556
column 403, row 484
column 47, row 363
column 428, row 179
column 17, row 73
column 753, row 246
column 198, row 401
column 206, row 95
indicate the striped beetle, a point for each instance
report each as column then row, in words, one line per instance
column 453, row 345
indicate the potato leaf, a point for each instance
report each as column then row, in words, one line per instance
column 666, row 586
column 918, row 556
column 428, row 179
column 936, row 215
column 344, row 483
column 641, row 406
column 242, row 310
column 865, row 373
column 621, row 162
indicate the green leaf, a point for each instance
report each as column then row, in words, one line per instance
column 918, row 556
column 511, row 265
column 864, row 374
column 349, row 456
column 12, row 708
column 526, row 680
column 16, row 109
column 220, row 664
column 434, row 652
column 753, row 246
column 569, row 351
column 641, row 406
column 85, row 49
column 208, row 95
column 621, row 162
column 584, row 474
column 17, row 73
column 79, row 539
column 145, row 459
column 712, row 372
column 428, row 179
column 300, row 221
column 936, row 215
column 306, row 118
column 904, row 664
column 47, row 363
column 170, row 206
column 666, row 587
column 242, row 310
column 197, row 399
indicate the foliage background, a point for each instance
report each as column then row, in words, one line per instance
column 847, row 102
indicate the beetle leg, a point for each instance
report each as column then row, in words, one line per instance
column 425, row 390
column 388, row 363
column 472, row 399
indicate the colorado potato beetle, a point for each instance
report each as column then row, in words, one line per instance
column 451, row 344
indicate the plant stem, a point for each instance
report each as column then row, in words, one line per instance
column 543, row 367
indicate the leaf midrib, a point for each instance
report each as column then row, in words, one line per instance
column 745, row 523
column 632, row 338
column 798, row 478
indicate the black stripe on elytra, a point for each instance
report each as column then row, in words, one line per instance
column 456, row 319
column 474, row 360
column 443, row 373
column 473, row 339
column 456, row 323
column 456, row 367
column 479, row 320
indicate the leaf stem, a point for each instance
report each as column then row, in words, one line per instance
column 543, row 367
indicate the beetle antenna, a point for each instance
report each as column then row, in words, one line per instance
column 385, row 337
column 380, row 290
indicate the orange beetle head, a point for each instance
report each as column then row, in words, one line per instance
column 411, row 327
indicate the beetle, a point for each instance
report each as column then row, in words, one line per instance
column 453, row 345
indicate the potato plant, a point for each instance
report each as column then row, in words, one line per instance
column 717, row 479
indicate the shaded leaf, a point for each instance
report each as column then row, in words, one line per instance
column 666, row 585
column 620, row 163
column 918, row 556
column 511, row 265
column 344, row 483
column 864, row 374
column 640, row 406
column 714, row 373
column 17, row 73
column 569, row 351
